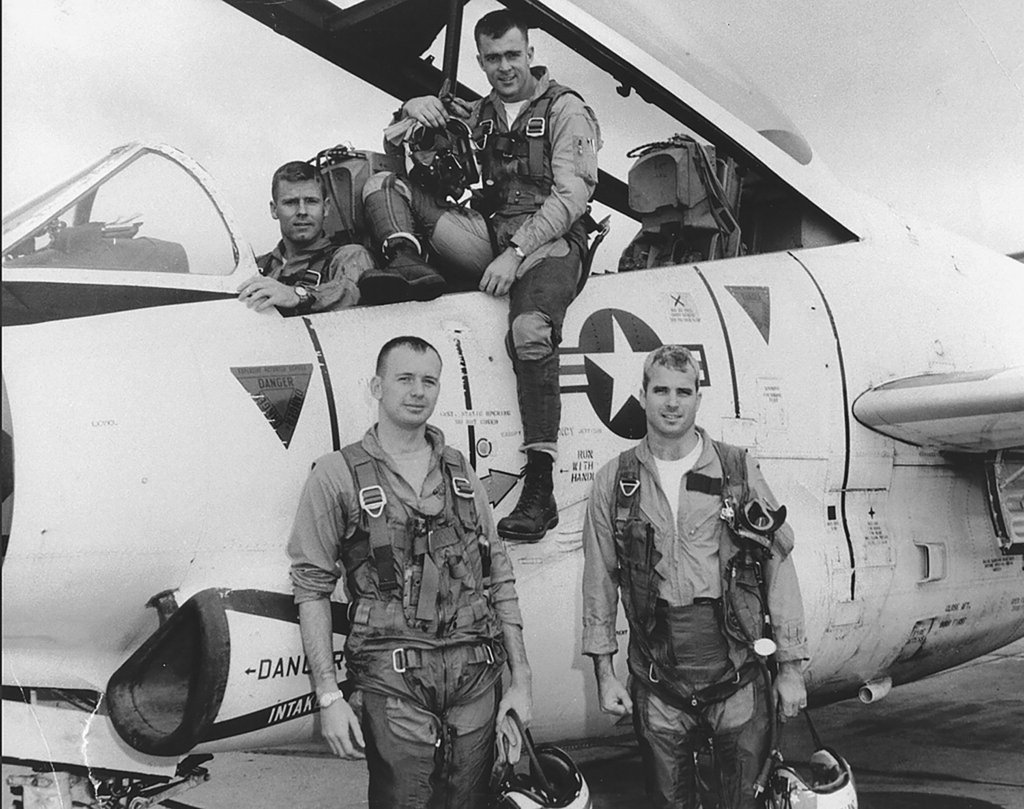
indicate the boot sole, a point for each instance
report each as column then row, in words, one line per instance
column 515, row 536
column 427, row 289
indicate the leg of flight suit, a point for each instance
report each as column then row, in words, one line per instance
column 390, row 220
column 401, row 751
column 434, row 749
column 458, row 236
column 741, row 743
column 538, row 302
column 667, row 737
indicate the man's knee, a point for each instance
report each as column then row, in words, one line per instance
column 532, row 336
column 386, row 181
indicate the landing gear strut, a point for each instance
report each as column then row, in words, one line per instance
column 61, row 789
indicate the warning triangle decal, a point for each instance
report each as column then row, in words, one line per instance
column 279, row 391
column 756, row 302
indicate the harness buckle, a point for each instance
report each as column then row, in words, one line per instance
column 372, row 500
column 654, row 678
column 463, row 488
column 536, row 127
column 485, row 128
column 398, row 661
column 312, row 278
column 490, row 654
column 628, row 487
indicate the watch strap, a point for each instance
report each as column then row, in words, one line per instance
column 328, row 699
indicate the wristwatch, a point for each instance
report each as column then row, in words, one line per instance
column 518, row 251
column 328, row 699
column 305, row 296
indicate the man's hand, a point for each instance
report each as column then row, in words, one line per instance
column 790, row 691
column 500, row 273
column 431, row 111
column 517, row 698
column 613, row 696
column 428, row 110
column 261, row 293
column 341, row 729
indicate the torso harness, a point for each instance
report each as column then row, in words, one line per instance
column 515, row 166
column 418, row 581
column 657, row 630
column 315, row 270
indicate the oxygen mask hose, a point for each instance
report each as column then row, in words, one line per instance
column 774, row 757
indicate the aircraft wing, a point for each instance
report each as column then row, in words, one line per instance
column 965, row 412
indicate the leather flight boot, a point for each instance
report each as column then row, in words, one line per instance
column 406, row 276
column 536, row 510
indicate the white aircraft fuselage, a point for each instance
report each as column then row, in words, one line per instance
column 159, row 452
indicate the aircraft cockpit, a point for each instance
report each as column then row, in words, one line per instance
column 143, row 219
column 696, row 164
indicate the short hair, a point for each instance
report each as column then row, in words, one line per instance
column 417, row 344
column 495, row 24
column 676, row 357
column 295, row 171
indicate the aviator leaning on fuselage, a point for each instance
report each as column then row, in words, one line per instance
column 192, row 423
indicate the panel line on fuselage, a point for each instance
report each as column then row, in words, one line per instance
column 332, row 409
column 846, row 425
column 728, row 342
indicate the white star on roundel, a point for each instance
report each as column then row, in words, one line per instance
column 624, row 365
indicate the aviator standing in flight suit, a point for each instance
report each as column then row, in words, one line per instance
column 538, row 153
column 660, row 528
column 306, row 272
column 433, row 603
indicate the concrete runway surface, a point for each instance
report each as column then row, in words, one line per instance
column 952, row 741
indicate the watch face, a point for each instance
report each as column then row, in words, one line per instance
column 302, row 292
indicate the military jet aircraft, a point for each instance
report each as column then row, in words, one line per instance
column 156, row 433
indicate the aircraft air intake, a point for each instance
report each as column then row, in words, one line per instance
column 223, row 669
column 167, row 694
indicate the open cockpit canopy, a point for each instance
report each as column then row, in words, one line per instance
column 645, row 68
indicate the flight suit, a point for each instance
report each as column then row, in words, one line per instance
column 330, row 272
column 687, row 567
column 547, row 231
column 428, row 667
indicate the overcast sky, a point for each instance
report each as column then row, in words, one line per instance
column 917, row 103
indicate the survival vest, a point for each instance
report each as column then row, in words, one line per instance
column 741, row 613
column 312, row 276
column 516, row 165
column 428, row 579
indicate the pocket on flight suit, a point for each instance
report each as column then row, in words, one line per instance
column 657, row 716
column 473, row 715
column 409, row 722
column 733, row 712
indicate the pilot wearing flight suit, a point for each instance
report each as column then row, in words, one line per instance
column 305, row 272
column 434, row 609
column 662, row 529
column 539, row 169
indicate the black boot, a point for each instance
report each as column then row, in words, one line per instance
column 536, row 510
column 406, row 276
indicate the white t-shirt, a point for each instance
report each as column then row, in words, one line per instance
column 671, row 474
column 512, row 110
column 413, row 466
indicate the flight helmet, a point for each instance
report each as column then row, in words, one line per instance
column 826, row 782
column 553, row 781
column 443, row 163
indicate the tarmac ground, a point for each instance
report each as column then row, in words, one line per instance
column 951, row 741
